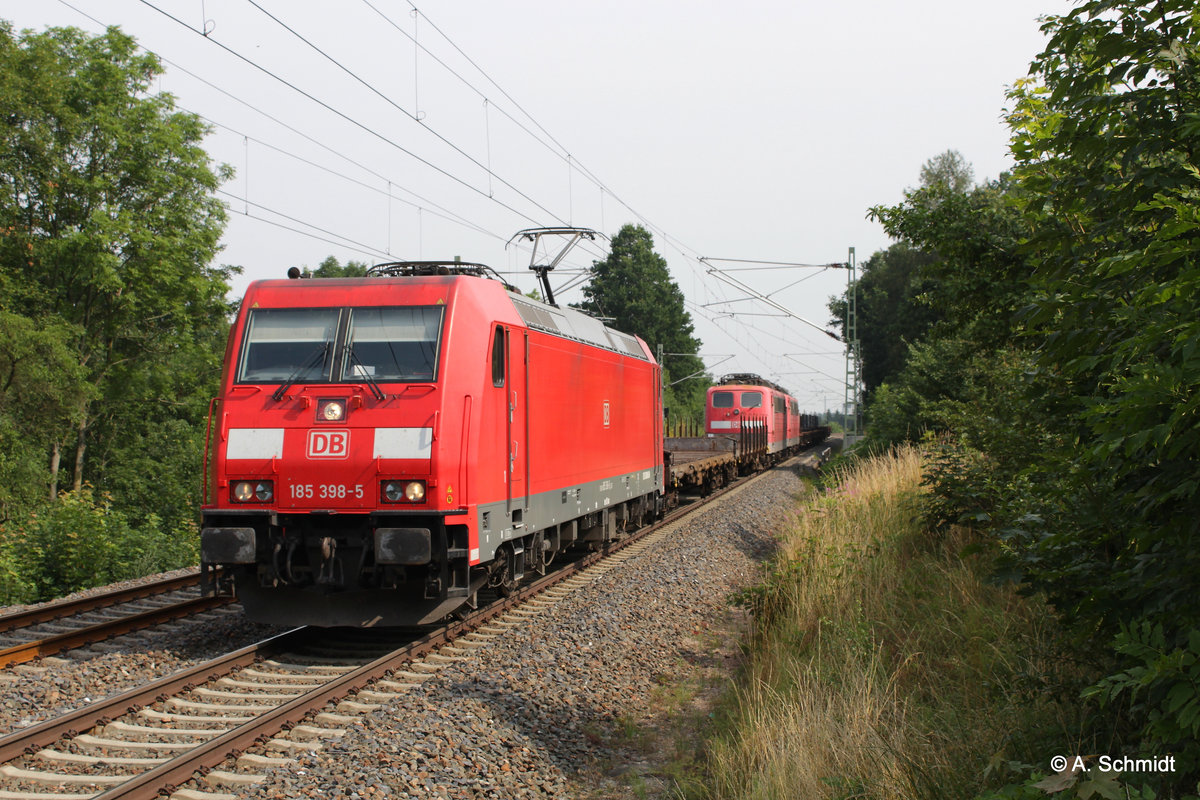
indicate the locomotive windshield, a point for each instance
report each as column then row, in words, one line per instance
column 722, row 399
column 288, row 344
column 308, row 345
column 392, row 344
column 751, row 399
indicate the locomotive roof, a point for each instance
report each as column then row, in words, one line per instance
column 750, row 379
column 565, row 322
column 576, row 325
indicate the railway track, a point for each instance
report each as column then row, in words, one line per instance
column 233, row 718
column 67, row 624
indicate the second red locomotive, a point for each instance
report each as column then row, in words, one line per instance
column 745, row 398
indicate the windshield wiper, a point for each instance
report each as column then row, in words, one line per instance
column 362, row 372
column 311, row 361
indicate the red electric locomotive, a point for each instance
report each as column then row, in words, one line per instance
column 744, row 397
column 383, row 448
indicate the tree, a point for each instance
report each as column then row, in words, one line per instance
column 40, row 380
column 948, row 170
column 108, row 214
column 633, row 289
column 936, row 309
column 953, row 271
column 330, row 268
column 893, row 311
column 976, row 276
column 1107, row 137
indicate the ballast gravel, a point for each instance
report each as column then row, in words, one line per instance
column 52, row 686
column 548, row 708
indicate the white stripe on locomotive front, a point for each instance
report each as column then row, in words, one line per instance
column 403, row 442
column 255, row 443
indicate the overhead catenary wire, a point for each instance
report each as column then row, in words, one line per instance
column 671, row 241
column 370, row 87
column 704, row 288
column 341, row 114
column 666, row 237
column 431, row 208
column 339, row 241
column 428, row 206
column 441, row 62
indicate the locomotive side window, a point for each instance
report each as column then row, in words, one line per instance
column 751, row 399
column 498, row 357
column 722, row 399
column 779, row 405
column 392, row 344
column 288, row 344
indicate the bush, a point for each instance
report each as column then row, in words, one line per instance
column 1161, row 687
column 80, row 542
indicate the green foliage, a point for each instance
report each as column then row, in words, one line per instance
column 109, row 215
column 892, row 312
column 40, row 386
column 1071, row 787
column 976, row 276
column 1162, row 687
column 15, row 586
column 960, row 483
column 82, row 541
column 113, row 316
column 904, row 291
column 1106, row 136
column 1073, row 430
column 331, row 268
column 950, row 171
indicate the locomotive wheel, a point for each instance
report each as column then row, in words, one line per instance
column 505, row 584
column 501, row 578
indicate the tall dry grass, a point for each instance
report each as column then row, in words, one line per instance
column 882, row 663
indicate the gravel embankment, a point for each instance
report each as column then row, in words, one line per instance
column 52, row 686
column 548, row 709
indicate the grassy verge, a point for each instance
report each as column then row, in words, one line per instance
column 882, row 663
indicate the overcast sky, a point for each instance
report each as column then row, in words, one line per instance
column 756, row 131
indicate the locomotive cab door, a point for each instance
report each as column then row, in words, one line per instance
column 516, row 421
column 786, row 431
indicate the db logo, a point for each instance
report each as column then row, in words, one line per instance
column 328, row 444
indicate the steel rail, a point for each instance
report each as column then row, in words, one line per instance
column 101, row 712
column 66, row 608
column 209, row 755
column 27, row 651
column 169, row 776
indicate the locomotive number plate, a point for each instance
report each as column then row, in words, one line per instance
column 326, row 491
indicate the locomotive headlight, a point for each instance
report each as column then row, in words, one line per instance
column 331, row 410
column 404, row 491
column 253, row 491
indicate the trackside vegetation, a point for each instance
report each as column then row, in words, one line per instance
column 882, row 661
column 1051, row 364
column 112, row 316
